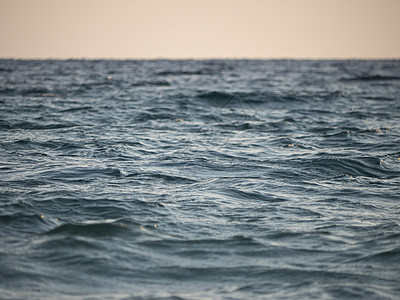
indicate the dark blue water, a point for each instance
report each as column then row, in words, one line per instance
column 220, row 179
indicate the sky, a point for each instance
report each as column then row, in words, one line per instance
column 200, row 29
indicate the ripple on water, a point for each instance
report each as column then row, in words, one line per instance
column 215, row 179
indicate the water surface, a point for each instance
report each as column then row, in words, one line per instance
column 209, row 179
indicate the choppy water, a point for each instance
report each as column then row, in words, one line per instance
column 235, row 179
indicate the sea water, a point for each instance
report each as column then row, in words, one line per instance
column 199, row 179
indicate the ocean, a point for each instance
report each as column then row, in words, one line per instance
column 199, row 179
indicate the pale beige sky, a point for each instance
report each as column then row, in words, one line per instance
column 200, row 28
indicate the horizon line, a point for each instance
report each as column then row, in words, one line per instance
column 197, row 58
